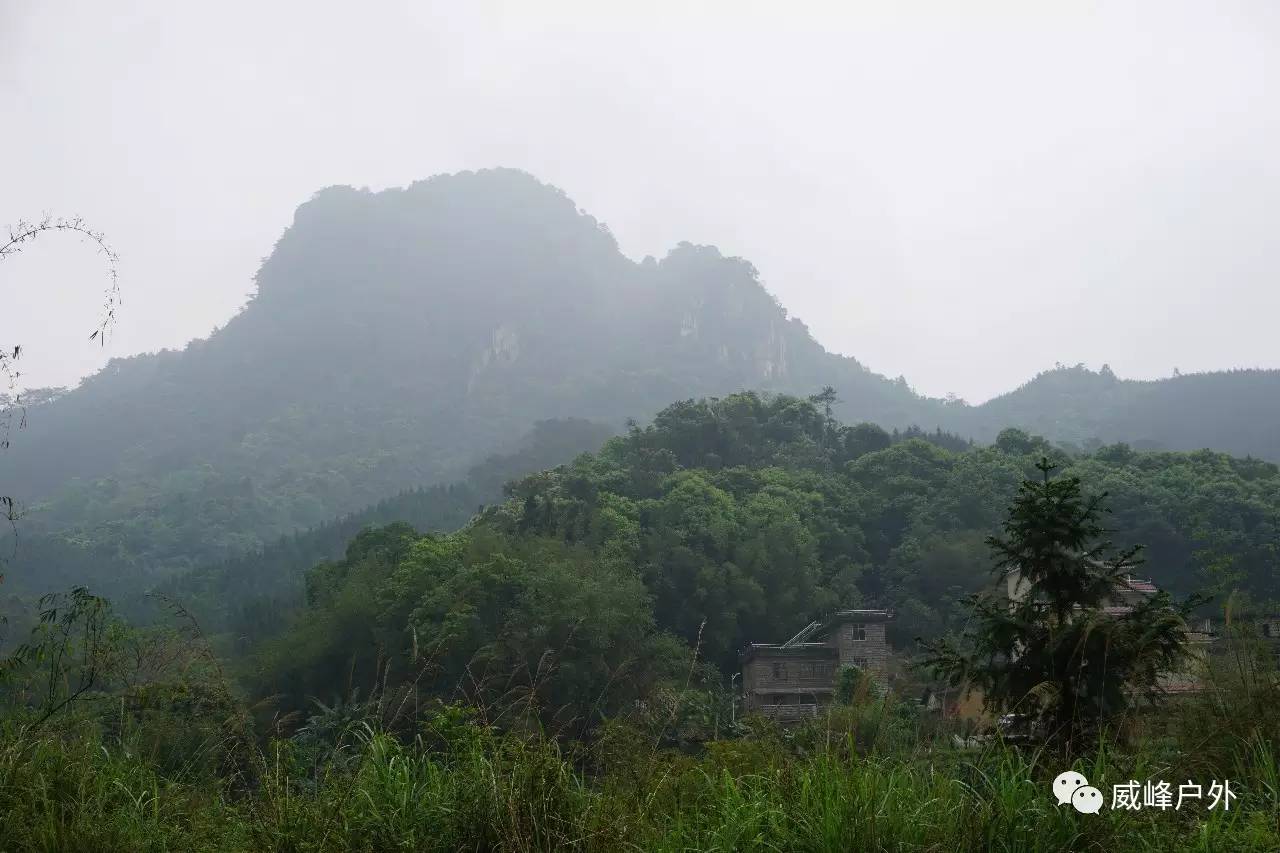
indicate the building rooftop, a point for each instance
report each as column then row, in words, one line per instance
column 798, row 646
column 1140, row 585
column 861, row 616
column 821, row 626
column 799, row 650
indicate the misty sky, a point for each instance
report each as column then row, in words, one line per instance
column 963, row 198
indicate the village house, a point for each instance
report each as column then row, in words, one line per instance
column 1200, row 638
column 1132, row 592
column 1262, row 625
column 791, row 680
column 962, row 704
column 1191, row 679
column 965, row 703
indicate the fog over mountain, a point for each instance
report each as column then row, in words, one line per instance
column 962, row 194
column 396, row 338
column 399, row 337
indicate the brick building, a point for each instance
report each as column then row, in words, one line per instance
column 791, row 680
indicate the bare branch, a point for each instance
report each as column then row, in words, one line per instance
column 22, row 234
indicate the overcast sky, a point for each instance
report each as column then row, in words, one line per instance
column 963, row 193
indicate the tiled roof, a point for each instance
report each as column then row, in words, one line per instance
column 1139, row 585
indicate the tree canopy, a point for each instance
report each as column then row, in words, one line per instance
column 398, row 337
column 736, row 520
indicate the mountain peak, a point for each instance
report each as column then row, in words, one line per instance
column 399, row 336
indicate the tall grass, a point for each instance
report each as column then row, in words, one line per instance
column 816, row 789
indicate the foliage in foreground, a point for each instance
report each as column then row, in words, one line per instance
column 844, row 783
column 577, row 622
column 157, row 754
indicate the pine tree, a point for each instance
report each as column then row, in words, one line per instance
column 1058, row 644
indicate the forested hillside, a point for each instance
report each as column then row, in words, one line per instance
column 733, row 521
column 398, row 337
column 395, row 339
column 247, row 594
column 1235, row 411
column 241, row 591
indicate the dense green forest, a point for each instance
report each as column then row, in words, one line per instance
column 737, row 520
column 247, row 594
column 256, row 581
column 417, row 552
column 397, row 338
column 556, row 673
column 1232, row 411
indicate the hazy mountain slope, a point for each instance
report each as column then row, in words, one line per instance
column 395, row 338
column 248, row 592
column 1234, row 411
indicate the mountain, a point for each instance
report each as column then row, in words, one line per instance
column 395, row 339
column 398, row 337
column 1236, row 411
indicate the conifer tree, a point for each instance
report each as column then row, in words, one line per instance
column 1057, row 642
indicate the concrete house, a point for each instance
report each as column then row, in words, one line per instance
column 966, row 704
column 791, row 680
column 1129, row 594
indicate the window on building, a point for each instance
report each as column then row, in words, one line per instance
column 860, row 663
column 814, row 670
column 858, row 633
column 780, row 671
